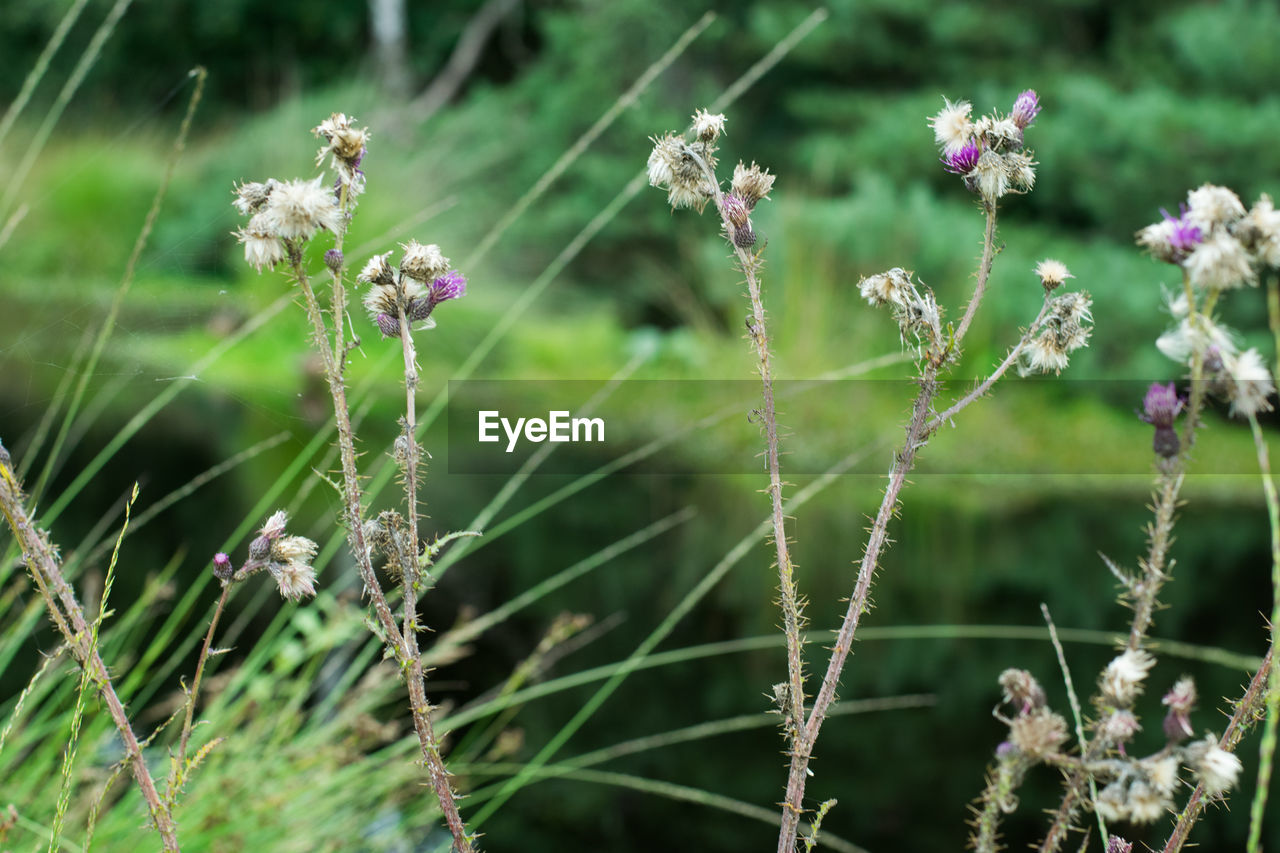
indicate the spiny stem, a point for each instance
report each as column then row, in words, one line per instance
column 803, row 749
column 177, row 773
column 409, row 463
column 792, row 618
column 1267, row 750
column 918, row 429
column 1246, row 712
column 1168, row 487
column 984, row 272
column 68, row 616
column 411, row 664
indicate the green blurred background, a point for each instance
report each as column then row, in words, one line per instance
column 1142, row 101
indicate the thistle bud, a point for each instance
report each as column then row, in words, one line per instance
column 1025, row 109
column 222, row 566
column 1159, row 408
column 333, row 260
column 388, row 325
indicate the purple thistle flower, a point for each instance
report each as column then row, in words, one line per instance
column 1185, row 235
column 221, row 566
column 1118, row 845
column 388, row 325
column 963, row 161
column 451, row 285
column 1161, row 405
column 1026, row 108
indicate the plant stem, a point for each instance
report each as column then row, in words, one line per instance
column 1144, row 593
column 1267, row 750
column 177, row 773
column 984, row 272
column 410, row 664
column 68, row 616
column 919, row 427
column 802, row 752
column 789, row 600
column 1246, row 712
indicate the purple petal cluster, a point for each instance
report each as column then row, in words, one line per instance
column 1025, row 109
column 962, row 162
column 451, row 285
column 1161, row 405
column 1185, row 235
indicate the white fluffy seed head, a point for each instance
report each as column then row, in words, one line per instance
column 1213, row 207
column 1249, row 384
column 296, row 580
column 1217, row 769
column 1121, row 681
column 952, row 127
column 708, row 126
column 1220, row 263
column 298, row 209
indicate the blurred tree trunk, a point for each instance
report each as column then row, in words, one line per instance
column 389, row 23
column 463, row 60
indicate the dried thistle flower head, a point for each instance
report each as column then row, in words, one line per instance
column 1162, row 773
column 261, row 247
column 287, row 558
column 1181, row 700
column 1121, row 681
column 1039, row 733
column 1259, row 231
column 1220, row 263
column 344, row 141
column 1249, row 383
column 952, row 127
column 1052, row 273
column 252, row 196
column 1146, row 804
column 1215, row 768
column 673, row 167
column 1119, row 727
column 1113, row 802
column 1021, row 688
column 751, row 183
column 1181, row 342
column 423, row 263
column 708, row 127
column 377, row 271
column 296, row 210
column 275, row 525
column 891, row 287
column 1065, row 330
column 1171, row 240
column 423, row 281
column 1213, row 208
column 295, row 580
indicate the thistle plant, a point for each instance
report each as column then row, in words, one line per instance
column 990, row 156
column 1218, row 248
column 284, row 218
